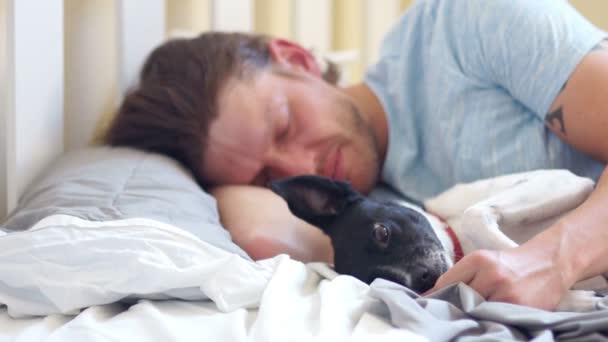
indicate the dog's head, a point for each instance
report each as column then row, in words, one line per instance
column 371, row 239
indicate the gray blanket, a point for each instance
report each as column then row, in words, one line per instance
column 459, row 313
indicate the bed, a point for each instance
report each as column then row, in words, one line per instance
column 102, row 243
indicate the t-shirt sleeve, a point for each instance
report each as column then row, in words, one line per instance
column 528, row 47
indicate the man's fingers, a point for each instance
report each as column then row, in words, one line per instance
column 481, row 285
column 463, row 271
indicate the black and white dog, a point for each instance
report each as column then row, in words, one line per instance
column 405, row 244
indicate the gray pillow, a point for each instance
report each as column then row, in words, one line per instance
column 105, row 183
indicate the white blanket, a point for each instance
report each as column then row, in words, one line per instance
column 66, row 264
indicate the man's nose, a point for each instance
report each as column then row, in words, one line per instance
column 292, row 163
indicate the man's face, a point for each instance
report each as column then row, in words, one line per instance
column 280, row 124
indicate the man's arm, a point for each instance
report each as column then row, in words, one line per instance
column 540, row 271
column 579, row 114
column 260, row 222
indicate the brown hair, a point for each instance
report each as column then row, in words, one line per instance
column 170, row 111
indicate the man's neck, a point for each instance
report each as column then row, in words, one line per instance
column 372, row 112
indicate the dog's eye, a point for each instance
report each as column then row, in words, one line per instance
column 381, row 234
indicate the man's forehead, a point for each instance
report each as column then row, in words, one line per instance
column 242, row 132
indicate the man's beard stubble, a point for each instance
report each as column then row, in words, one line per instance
column 366, row 136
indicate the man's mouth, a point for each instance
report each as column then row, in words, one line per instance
column 334, row 166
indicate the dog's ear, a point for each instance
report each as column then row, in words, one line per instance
column 317, row 200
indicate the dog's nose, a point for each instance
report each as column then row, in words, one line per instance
column 422, row 278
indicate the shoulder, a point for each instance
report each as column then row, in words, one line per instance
column 500, row 15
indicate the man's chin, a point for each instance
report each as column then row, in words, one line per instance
column 361, row 169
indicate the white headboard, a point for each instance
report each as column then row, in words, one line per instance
column 64, row 64
column 36, row 124
column 33, row 117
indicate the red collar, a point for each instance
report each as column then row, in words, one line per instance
column 458, row 254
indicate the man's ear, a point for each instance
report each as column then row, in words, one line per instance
column 293, row 56
column 317, row 200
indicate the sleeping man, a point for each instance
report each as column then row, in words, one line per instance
column 463, row 90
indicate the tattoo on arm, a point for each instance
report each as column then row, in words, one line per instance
column 602, row 45
column 556, row 115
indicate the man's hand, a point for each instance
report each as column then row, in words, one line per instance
column 539, row 272
column 519, row 275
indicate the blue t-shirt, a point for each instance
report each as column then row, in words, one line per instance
column 466, row 85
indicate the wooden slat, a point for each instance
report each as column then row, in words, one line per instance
column 141, row 27
column 34, row 101
column 273, row 17
column 348, row 33
column 3, row 107
column 188, row 17
column 232, row 15
column 378, row 21
column 312, row 24
column 90, row 61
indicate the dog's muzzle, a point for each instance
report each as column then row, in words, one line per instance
column 419, row 277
